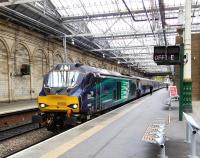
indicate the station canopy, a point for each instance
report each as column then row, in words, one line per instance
column 124, row 31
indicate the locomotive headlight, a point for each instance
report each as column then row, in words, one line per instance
column 75, row 106
column 42, row 105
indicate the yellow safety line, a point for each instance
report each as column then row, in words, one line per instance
column 77, row 140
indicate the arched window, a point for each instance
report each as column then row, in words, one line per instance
column 57, row 59
column 39, row 69
column 21, row 84
column 3, row 72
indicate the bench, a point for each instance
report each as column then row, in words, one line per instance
column 192, row 129
column 155, row 134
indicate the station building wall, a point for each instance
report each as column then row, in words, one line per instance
column 196, row 66
column 195, row 58
column 19, row 45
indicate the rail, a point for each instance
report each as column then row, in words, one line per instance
column 155, row 134
column 17, row 130
column 192, row 129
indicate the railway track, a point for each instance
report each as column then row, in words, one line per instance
column 24, row 140
column 16, row 123
column 17, row 130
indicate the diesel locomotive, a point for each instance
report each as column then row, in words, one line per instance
column 73, row 93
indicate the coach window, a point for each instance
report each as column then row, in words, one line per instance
column 118, row 90
column 132, row 87
column 106, row 88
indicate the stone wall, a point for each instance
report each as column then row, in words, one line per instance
column 196, row 66
column 19, row 45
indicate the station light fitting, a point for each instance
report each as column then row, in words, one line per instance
column 73, row 41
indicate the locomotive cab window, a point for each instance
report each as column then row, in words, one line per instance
column 68, row 79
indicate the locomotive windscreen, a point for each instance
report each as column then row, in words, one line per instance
column 63, row 79
column 67, row 79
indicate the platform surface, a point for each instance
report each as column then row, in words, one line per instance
column 6, row 108
column 118, row 134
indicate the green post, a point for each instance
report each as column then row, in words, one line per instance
column 181, row 85
column 185, row 101
column 187, row 96
column 186, row 83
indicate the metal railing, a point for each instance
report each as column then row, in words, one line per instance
column 192, row 129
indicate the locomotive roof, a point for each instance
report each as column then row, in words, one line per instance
column 88, row 69
column 84, row 69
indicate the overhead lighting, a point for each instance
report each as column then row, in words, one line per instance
column 73, row 41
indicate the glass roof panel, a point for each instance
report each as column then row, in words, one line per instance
column 129, row 27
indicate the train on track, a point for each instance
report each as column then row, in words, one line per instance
column 73, row 93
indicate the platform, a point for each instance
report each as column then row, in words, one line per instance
column 17, row 106
column 118, row 134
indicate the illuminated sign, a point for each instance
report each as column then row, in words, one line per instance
column 169, row 55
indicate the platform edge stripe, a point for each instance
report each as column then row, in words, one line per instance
column 69, row 145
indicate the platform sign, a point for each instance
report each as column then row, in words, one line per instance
column 173, row 91
column 173, row 54
column 160, row 54
column 169, row 55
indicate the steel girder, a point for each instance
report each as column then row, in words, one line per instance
column 12, row 2
column 118, row 35
column 126, row 13
column 108, row 36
